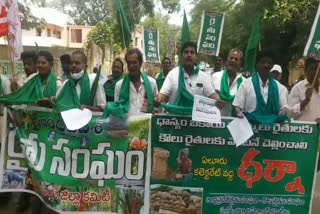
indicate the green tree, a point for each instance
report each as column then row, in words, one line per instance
column 102, row 35
column 169, row 35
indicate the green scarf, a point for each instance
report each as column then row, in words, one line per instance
column 31, row 92
column 120, row 107
column 160, row 80
column 109, row 89
column 68, row 97
column 266, row 113
column 225, row 92
column 183, row 102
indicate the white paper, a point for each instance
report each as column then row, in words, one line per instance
column 241, row 130
column 204, row 110
column 76, row 118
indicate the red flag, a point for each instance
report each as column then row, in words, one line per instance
column 4, row 29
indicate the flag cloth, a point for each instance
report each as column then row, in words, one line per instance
column 15, row 38
column 312, row 48
column 32, row 91
column 251, row 51
column 122, row 20
column 4, row 29
column 185, row 34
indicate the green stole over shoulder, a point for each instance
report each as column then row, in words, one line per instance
column 225, row 91
column 68, row 97
column 183, row 102
column 120, row 107
column 32, row 91
column 266, row 113
column 160, row 80
column 109, row 89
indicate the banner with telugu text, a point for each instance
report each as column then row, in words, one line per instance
column 151, row 44
column 196, row 168
column 210, row 33
column 99, row 168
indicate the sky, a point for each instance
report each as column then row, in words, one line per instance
column 176, row 18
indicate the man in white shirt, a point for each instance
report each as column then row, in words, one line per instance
column 77, row 73
column 227, row 82
column 304, row 100
column 138, row 84
column 196, row 82
column 246, row 99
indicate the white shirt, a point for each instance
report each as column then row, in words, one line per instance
column 216, row 82
column 196, row 84
column 5, row 85
column 136, row 98
column 311, row 111
column 246, row 96
column 100, row 97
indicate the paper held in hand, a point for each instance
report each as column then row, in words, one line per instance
column 241, row 130
column 76, row 118
column 204, row 110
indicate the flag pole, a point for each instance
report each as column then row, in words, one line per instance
column 10, row 52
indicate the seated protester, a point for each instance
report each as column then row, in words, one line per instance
column 109, row 85
column 261, row 98
column 227, row 82
column 39, row 87
column 304, row 98
column 80, row 90
column 29, row 60
column 136, row 91
column 185, row 81
column 166, row 67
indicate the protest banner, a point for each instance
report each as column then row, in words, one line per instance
column 210, row 33
column 196, row 168
column 151, row 44
column 100, row 167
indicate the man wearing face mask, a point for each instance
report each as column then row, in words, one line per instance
column 80, row 90
column 227, row 82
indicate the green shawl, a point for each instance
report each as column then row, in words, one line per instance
column 160, row 80
column 109, row 89
column 266, row 113
column 225, row 92
column 68, row 97
column 32, row 91
column 183, row 102
column 120, row 107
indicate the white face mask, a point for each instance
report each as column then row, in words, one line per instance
column 77, row 76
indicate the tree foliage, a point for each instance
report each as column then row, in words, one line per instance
column 169, row 35
column 171, row 5
column 29, row 21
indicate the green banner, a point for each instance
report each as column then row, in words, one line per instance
column 312, row 48
column 100, row 167
column 210, row 33
column 151, row 45
column 196, row 168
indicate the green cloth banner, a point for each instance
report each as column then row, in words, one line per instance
column 111, row 166
column 210, row 33
column 196, row 168
column 100, row 167
column 151, row 44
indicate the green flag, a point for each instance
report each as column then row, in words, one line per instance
column 122, row 20
column 251, row 51
column 185, row 34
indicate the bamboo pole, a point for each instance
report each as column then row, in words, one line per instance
column 10, row 52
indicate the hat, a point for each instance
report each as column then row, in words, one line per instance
column 276, row 68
